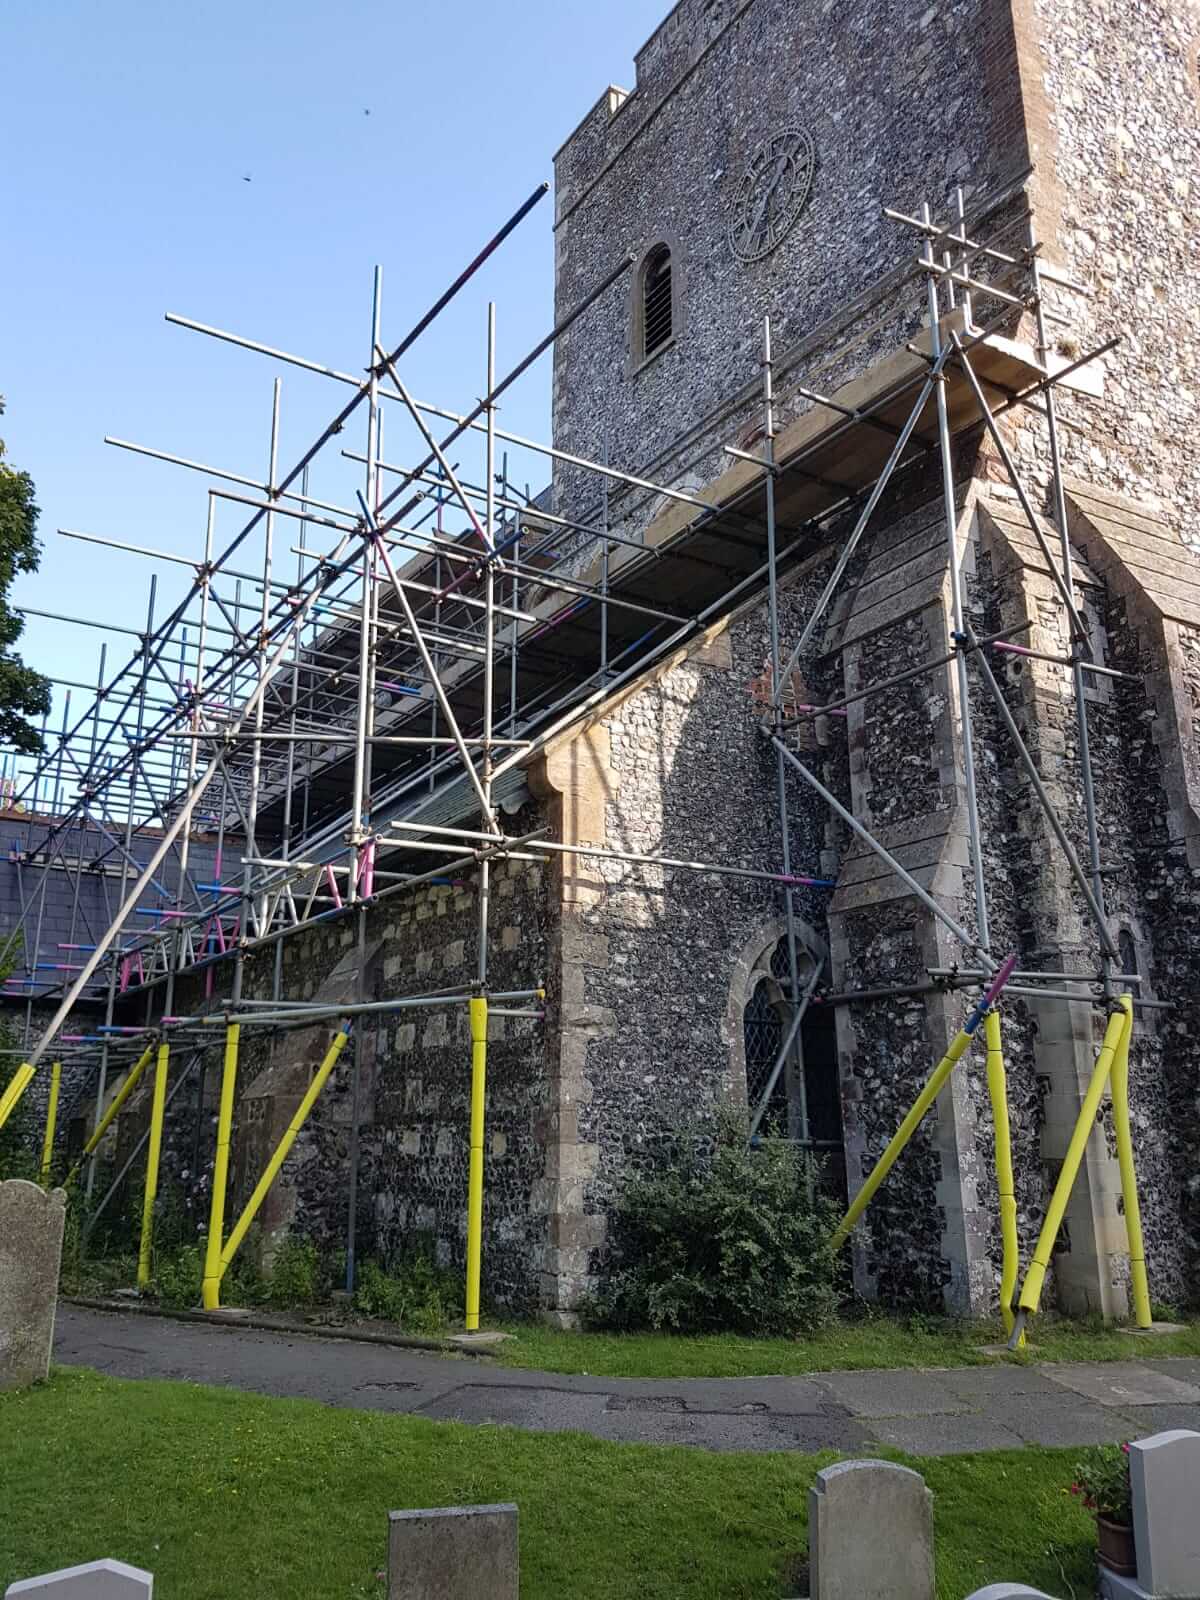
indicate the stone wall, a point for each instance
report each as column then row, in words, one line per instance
column 413, row 1087
column 656, row 960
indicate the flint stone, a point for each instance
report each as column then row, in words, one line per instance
column 453, row 1553
column 95, row 1580
column 870, row 1532
column 31, row 1236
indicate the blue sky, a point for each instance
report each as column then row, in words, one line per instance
column 129, row 131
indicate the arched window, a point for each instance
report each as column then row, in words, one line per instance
column 656, row 302
column 804, row 1102
column 762, row 1026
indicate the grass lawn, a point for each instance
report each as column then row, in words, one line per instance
column 224, row 1495
column 870, row 1342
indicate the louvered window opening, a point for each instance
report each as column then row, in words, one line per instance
column 656, row 302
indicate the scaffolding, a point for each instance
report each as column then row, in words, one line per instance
column 354, row 731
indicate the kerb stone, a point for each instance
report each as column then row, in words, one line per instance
column 95, row 1580
column 31, row 1236
column 453, row 1553
column 870, row 1531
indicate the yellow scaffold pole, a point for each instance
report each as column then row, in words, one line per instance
column 921, row 1105
column 119, row 1100
column 1031, row 1292
column 1129, row 1194
column 242, row 1225
column 158, row 1105
column 479, row 1026
column 211, row 1290
column 1010, row 1259
column 17, row 1086
column 51, row 1119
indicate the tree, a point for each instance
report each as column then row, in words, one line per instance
column 24, row 693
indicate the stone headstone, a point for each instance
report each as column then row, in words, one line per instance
column 1164, row 1474
column 31, row 1236
column 870, row 1533
column 96, row 1580
column 1008, row 1591
column 453, row 1553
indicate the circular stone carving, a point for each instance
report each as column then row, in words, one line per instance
column 772, row 194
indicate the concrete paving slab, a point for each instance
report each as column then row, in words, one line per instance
column 1065, row 1419
column 1123, row 1383
column 893, row 1394
column 1146, row 1420
column 976, row 1384
column 943, row 1436
column 1185, row 1368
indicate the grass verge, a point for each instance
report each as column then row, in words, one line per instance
column 225, row 1495
column 846, row 1346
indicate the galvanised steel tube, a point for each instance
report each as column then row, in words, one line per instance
column 956, row 601
column 435, row 680
column 785, row 830
column 1005, row 1184
column 1081, row 721
column 168, row 838
column 1068, row 849
column 1079, row 631
column 906, row 877
column 521, row 367
column 479, row 1031
column 843, row 561
column 336, row 425
column 253, row 1205
column 1031, row 1291
column 489, row 819
column 921, row 1104
column 51, row 1119
column 158, row 1107
column 210, row 1291
column 1129, row 1194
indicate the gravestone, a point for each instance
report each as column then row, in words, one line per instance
column 96, row 1580
column 1164, row 1475
column 1008, row 1591
column 453, row 1553
column 31, row 1236
column 870, row 1533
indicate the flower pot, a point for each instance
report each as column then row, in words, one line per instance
column 1115, row 1547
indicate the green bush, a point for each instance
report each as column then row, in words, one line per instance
column 722, row 1238
column 177, row 1276
column 415, row 1292
column 295, row 1274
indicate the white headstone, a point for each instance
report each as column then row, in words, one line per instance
column 870, row 1533
column 453, row 1553
column 95, row 1580
column 31, row 1235
column 1008, row 1591
column 1164, row 1474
